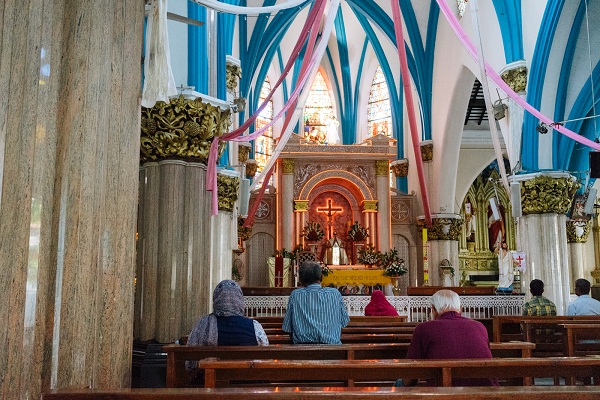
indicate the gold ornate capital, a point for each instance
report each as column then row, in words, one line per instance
column 545, row 194
column 182, row 129
column 243, row 153
column 400, row 167
column 369, row 206
column 233, row 74
column 442, row 228
column 244, row 233
column 227, row 191
column 427, row 151
column 251, row 168
column 596, row 276
column 301, row 205
column 516, row 78
column 578, row 231
column 382, row 168
column 287, row 165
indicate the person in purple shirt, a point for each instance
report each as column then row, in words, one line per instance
column 450, row 335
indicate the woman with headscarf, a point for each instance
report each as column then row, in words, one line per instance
column 226, row 325
column 379, row 305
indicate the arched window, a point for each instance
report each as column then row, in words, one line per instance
column 320, row 124
column 379, row 114
column 263, row 146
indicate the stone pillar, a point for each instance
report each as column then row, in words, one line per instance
column 595, row 292
column 183, row 252
column 300, row 214
column 287, row 204
column 369, row 207
column 211, row 48
column 542, row 233
column 442, row 238
column 69, row 145
column 577, row 235
column 427, row 157
column 382, row 173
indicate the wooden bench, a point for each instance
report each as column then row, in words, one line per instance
column 581, row 339
column 506, row 327
column 356, row 329
column 353, row 393
column 353, row 338
column 177, row 355
column 353, row 318
column 351, row 372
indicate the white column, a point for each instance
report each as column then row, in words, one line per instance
column 577, row 235
column 442, row 238
column 382, row 171
column 287, row 206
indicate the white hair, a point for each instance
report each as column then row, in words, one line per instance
column 445, row 300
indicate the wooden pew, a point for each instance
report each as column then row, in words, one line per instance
column 356, row 329
column 353, row 338
column 353, row 318
column 350, row 372
column 177, row 355
column 353, row 393
column 509, row 327
column 575, row 336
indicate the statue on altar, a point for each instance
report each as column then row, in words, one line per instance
column 506, row 274
column 335, row 254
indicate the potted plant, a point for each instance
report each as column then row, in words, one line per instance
column 392, row 264
column 357, row 233
column 369, row 256
column 313, row 231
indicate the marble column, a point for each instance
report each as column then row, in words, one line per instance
column 287, row 204
column 442, row 238
column 369, row 207
column 542, row 233
column 595, row 292
column 382, row 174
column 300, row 219
column 69, row 149
column 577, row 235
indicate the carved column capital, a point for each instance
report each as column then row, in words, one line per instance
column 578, row 231
column 287, row 165
column 251, row 168
column 400, row 167
column 227, row 191
column 382, row 168
column 369, row 206
column 183, row 129
column 233, row 74
column 516, row 78
column 301, row 205
column 548, row 193
column 427, row 150
column 243, row 152
column 446, row 227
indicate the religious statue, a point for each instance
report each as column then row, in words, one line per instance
column 471, row 221
column 496, row 230
column 506, row 274
column 335, row 254
column 332, row 131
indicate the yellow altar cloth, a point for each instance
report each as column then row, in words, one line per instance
column 367, row 277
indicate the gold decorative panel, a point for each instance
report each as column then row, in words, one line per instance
column 427, row 151
column 578, row 231
column 287, row 165
column 545, row 194
column 228, row 191
column 182, row 129
column 233, row 74
column 516, row 78
column 382, row 168
column 301, row 205
column 243, row 152
column 400, row 167
column 370, row 206
column 442, row 228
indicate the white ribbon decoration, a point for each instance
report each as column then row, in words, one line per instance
column 159, row 82
column 231, row 9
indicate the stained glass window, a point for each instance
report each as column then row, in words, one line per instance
column 379, row 113
column 320, row 124
column 263, row 146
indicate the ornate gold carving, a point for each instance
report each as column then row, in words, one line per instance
column 427, row 151
column 370, row 206
column 445, row 229
column 233, row 73
column 481, row 261
column 243, row 152
column 382, row 168
column 244, row 233
column 578, row 231
column 400, row 167
column 251, row 168
column 182, row 129
column 228, row 191
column 301, row 205
column 545, row 194
column 596, row 275
column 516, row 78
column 287, row 165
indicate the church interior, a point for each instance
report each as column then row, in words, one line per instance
column 170, row 145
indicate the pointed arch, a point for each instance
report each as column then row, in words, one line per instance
column 318, row 109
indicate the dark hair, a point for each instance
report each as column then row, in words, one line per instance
column 583, row 285
column 310, row 272
column 537, row 287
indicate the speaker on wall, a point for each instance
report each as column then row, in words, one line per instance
column 515, row 199
column 594, row 164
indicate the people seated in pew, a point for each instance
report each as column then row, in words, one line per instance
column 538, row 305
column 450, row 336
column 314, row 314
column 379, row 305
column 584, row 304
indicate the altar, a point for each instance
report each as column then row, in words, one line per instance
column 355, row 279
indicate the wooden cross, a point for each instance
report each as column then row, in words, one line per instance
column 329, row 211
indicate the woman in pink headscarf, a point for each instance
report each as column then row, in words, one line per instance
column 379, row 305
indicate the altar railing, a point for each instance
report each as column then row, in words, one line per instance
column 416, row 308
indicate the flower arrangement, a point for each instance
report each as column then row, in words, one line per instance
column 369, row 256
column 326, row 270
column 313, row 231
column 292, row 255
column 392, row 264
column 357, row 233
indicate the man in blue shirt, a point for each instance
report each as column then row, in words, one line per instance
column 584, row 304
column 315, row 314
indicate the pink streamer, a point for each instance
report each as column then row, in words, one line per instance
column 309, row 26
column 410, row 108
column 466, row 42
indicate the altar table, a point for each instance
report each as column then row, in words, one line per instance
column 345, row 276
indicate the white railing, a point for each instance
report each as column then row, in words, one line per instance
column 416, row 308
